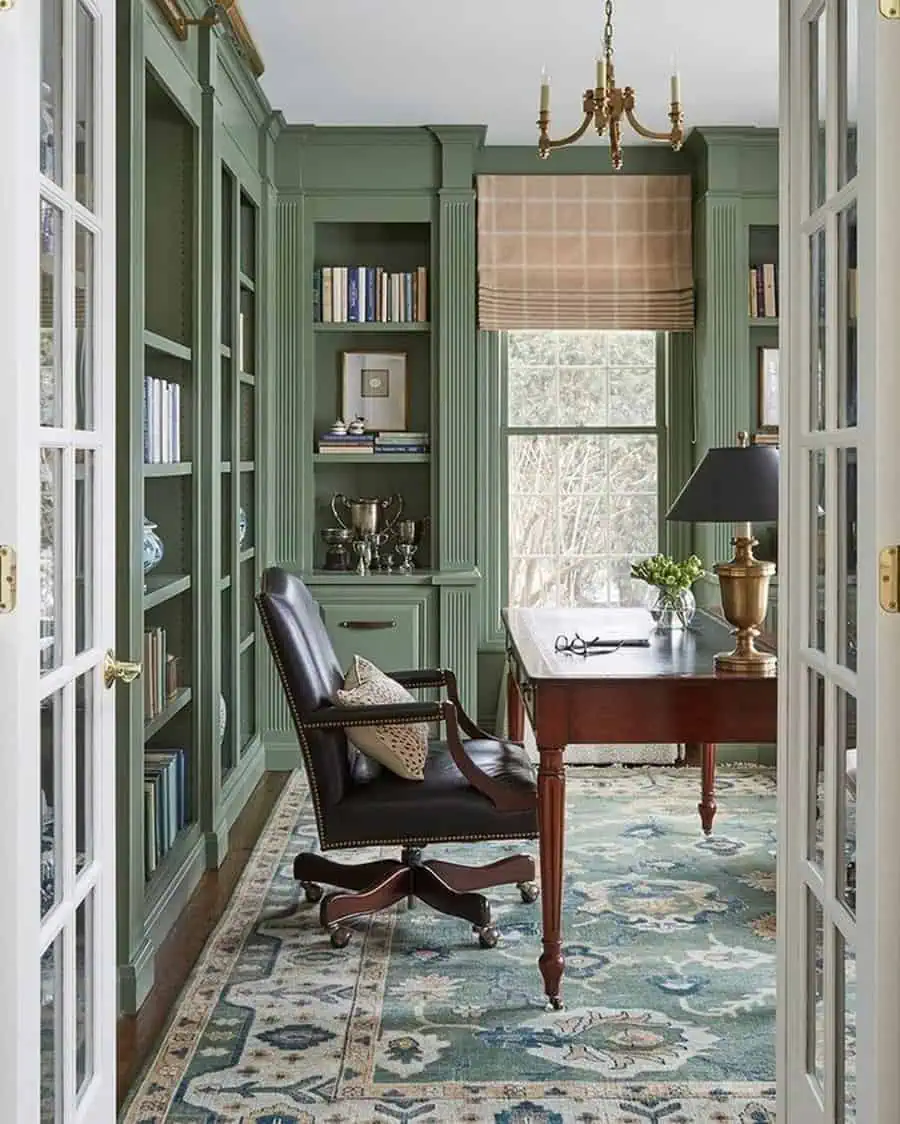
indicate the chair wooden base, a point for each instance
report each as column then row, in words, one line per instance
column 450, row 888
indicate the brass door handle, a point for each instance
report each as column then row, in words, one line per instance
column 122, row 670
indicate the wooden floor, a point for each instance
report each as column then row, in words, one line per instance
column 138, row 1034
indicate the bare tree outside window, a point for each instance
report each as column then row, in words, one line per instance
column 583, row 430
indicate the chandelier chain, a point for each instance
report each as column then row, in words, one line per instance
column 608, row 32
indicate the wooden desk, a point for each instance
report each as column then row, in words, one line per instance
column 668, row 692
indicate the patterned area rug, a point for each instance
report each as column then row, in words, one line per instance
column 669, row 989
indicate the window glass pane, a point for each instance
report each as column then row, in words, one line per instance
column 51, row 1032
column 817, row 280
column 51, row 780
column 815, row 849
column 51, row 316
column 817, row 523
column 51, row 559
column 84, row 328
column 51, row 146
column 848, row 90
column 815, row 991
column 846, row 764
column 847, row 566
column 84, row 106
column 818, row 72
column 848, row 341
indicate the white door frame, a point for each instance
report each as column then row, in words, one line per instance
column 21, row 436
column 876, row 683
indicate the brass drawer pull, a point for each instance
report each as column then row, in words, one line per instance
column 367, row 626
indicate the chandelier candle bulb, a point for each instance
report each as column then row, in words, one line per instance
column 545, row 92
column 601, row 74
column 676, row 88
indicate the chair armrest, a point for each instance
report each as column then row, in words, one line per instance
column 501, row 795
column 441, row 677
column 382, row 714
column 419, row 677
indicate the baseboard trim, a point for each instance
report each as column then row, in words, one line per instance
column 282, row 754
column 136, row 978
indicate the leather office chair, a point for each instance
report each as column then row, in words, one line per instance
column 474, row 790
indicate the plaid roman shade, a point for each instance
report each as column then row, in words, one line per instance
column 605, row 251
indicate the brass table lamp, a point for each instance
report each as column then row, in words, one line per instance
column 737, row 484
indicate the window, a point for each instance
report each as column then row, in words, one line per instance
column 585, row 441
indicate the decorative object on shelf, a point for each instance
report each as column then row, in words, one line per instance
column 375, row 389
column 767, row 388
column 153, row 549
column 339, row 428
column 243, row 526
column 338, row 541
column 672, row 604
column 409, row 535
column 363, row 549
column 606, row 104
column 357, row 427
column 366, row 516
column 737, row 484
column 223, row 718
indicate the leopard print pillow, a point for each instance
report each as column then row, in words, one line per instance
column 401, row 749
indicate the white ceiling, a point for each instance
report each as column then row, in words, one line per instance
column 414, row 62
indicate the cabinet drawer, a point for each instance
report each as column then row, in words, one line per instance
column 390, row 635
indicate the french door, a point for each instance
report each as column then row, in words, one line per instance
column 838, row 763
column 57, row 576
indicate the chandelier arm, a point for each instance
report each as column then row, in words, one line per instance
column 648, row 134
column 545, row 144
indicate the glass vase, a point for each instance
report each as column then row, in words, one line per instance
column 671, row 609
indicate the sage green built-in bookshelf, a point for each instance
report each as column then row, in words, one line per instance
column 192, row 252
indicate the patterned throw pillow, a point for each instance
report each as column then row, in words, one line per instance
column 402, row 749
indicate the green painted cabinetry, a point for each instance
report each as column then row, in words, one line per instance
column 392, row 627
column 192, row 252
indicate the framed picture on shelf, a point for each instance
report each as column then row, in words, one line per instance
column 374, row 388
column 767, row 389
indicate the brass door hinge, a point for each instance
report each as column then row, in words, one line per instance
column 7, row 579
column 5, row 5
column 890, row 9
column 889, row 579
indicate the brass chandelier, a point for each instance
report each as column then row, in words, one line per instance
column 606, row 104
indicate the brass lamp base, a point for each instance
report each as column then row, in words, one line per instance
column 744, row 586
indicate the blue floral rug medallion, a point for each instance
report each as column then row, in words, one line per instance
column 669, row 984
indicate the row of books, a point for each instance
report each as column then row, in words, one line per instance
column 365, row 294
column 160, row 674
column 162, row 421
column 375, row 443
column 165, row 802
column 764, row 290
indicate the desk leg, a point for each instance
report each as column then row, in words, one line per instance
column 707, row 805
column 551, row 824
column 515, row 710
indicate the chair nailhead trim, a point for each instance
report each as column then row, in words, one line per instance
column 430, row 841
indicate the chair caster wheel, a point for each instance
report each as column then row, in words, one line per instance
column 340, row 937
column 529, row 892
column 488, row 935
column 313, row 892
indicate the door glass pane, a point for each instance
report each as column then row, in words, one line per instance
column 846, row 1031
column 51, row 781
column 51, row 559
column 84, row 549
column 84, row 983
column 817, row 330
column 51, row 129
column 847, row 563
column 84, row 106
column 817, row 517
column 845, row 866
column 51, row 316
column 51, row 1033
column 848, row 335
column 818, row 72
column 848, row 89
column 815, row 850
column 815, row 990
column 84, row 776
column 84, row 328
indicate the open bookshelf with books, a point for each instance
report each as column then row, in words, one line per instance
column 169, row 750
column 373, row 403
column 763, row 304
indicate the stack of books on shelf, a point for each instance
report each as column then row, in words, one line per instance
column 764, row 291
column 365, row 294
column 162, row 421
column 402, row 442
column 160, row 673
column 165, row 802
column 382, row 442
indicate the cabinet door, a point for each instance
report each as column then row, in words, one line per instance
column 393, row 635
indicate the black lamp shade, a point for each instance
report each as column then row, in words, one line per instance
column 734, row 484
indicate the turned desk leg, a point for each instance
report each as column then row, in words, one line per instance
column 707, row 805
column 515, row 709
column 551, row 824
